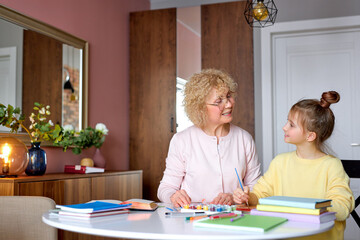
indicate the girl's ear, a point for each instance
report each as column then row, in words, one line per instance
column 311, row 136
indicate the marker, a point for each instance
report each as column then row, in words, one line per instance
column 183, row 214
column 200, row 217
column 240, row 184
column 226, row 215
column 171, row 209
column 236, row 218
column 196, row 217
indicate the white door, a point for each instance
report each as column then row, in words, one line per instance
column 7, row 78
column 308, row 64
column 308, row 58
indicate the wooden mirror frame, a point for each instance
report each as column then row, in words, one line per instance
column 48, row 30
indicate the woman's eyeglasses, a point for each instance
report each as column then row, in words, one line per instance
column 221, row 102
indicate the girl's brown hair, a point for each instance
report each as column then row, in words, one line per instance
column 316, row 116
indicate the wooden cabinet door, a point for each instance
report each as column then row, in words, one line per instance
column 152, row 93
column 50, row 189
column 227, row 44
column 77, row 190
column 121, row 187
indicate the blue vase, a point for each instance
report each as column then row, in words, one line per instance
column 37, row 160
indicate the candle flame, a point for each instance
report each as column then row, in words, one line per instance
column 6, row 152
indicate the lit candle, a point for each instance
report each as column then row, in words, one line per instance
column 5, row 153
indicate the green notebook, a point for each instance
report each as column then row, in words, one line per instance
column 246, row 223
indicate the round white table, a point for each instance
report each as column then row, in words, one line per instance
column 155, row 225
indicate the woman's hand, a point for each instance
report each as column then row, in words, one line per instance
column 180, row 198
column 241, row 196
column 223, row 199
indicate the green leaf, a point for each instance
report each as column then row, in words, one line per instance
column 17, row 110
column 76, row 150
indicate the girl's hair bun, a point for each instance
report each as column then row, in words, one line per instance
column 328, row 98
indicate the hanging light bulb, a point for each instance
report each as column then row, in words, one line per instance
column 67, row 84
column 260, row 11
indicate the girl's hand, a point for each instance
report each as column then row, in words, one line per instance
column 223, row 199
column 180, row 198
column 241, row 196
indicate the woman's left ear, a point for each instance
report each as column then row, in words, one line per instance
column 311, row 136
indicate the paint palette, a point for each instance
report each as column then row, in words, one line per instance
column 199, row 207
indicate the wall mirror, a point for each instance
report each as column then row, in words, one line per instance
column 40, row 63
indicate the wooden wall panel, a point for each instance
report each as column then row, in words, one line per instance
column 42, row 74
column 227, row 44
column 7, row 189
column 31, row 189
column 152, row 93
column 77, row 190
column 117, row 187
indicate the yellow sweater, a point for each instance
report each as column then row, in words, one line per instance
column 289, row 175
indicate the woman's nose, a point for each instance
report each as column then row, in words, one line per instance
column 229, row 102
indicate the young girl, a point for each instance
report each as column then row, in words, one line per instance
column 308, row 171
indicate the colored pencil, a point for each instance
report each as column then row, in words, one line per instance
column 240, row 184
column 236, row 218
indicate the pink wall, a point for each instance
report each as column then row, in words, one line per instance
column 105, row 25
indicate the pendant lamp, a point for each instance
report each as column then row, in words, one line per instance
column 260, row 13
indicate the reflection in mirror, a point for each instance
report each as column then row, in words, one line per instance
column 21, row 41
column 11, row 52
column 188, row 44
column 71, row 96
column 40, row 63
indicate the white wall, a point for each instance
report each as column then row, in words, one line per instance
column 295, row 10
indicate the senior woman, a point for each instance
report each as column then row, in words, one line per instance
column 201, row 162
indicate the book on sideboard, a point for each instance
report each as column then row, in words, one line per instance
column 322, row 218
column 300, row 202
column 82, row 169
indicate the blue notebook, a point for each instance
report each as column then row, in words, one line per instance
column 299, row 202
column 91, row 207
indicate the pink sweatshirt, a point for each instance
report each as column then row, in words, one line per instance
column 203, row 168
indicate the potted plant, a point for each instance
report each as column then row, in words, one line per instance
column 40, row 130
column 84, row 139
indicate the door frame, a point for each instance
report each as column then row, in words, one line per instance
column 10, row 53
column 264, row 75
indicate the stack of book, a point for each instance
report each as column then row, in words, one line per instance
column 295, row 209
column 82, row 169
column 92, row 209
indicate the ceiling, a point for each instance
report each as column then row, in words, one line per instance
column 159, row 4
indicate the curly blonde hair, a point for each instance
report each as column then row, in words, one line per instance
column 198, row 88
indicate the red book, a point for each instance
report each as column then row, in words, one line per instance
column 82, row 169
